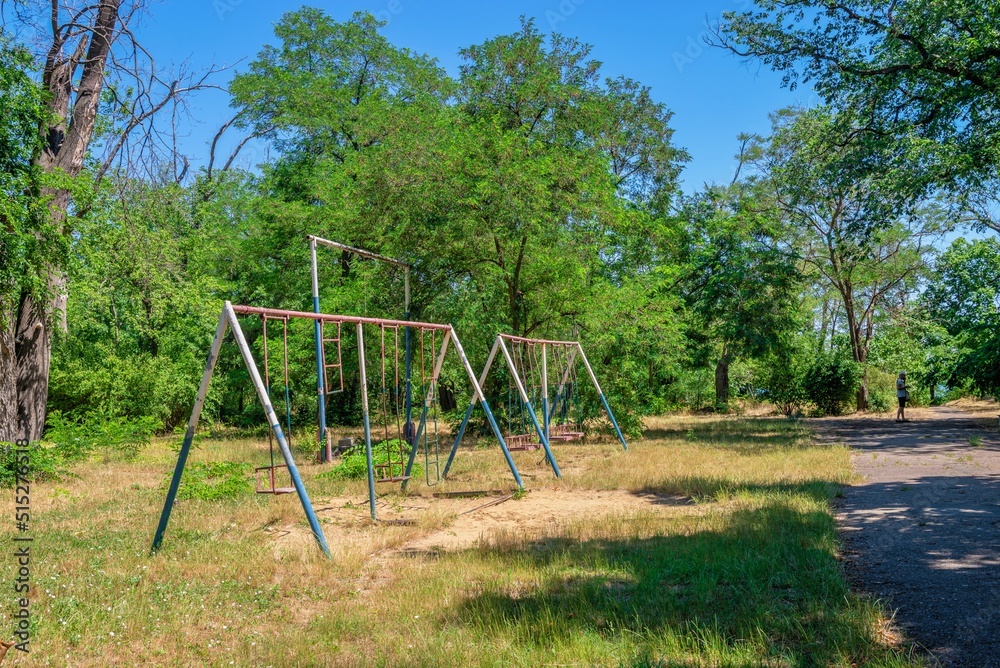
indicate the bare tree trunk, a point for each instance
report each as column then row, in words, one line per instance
column 33, row 353
column 859, row 346
column 722, row 380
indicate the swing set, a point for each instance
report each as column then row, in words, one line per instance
column 323, row 369
column 528, row 363
column 388, row 381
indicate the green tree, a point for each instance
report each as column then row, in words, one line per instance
column 844, row 218
column 923, row 73
column 22, row 220
column 740, row 284
column 964, row 299
column 520, row 192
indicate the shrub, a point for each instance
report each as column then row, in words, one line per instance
column 75, row 440
column 879, row 401
column 354, row 465
column 214, row 481
column 44, row 463
column 831, row 382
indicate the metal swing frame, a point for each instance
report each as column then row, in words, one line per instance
column 543, row 429
column 268, row 472
column 229, row 320
column 322, row 368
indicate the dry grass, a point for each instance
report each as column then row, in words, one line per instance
column 709, row 543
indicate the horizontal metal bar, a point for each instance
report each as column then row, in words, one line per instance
column 356, row 251
column 326, row 317
column 521, row 339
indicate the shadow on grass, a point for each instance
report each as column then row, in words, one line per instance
column 756, row 586
column 701, row 489
column 750, row 436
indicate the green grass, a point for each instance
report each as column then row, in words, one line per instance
column 726, row 555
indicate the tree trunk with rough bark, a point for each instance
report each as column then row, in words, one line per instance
column 73, row 108
column 722, row 381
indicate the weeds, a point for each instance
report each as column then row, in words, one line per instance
column 213, row 481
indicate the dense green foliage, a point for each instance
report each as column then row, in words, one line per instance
column 831, row 381
column 532, row 195
column 24, row 242
column 354, row 463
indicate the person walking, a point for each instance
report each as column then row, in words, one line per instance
column 902, row 395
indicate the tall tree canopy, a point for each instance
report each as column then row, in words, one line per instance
column 844, row 217
column 910, row 69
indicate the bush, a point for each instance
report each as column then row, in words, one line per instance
column 354, row 464
column 77, row 439
column 44, row 463
column 879, row 401
column 831, row 382
column 214, row 481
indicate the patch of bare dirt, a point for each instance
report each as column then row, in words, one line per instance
column 427, row 524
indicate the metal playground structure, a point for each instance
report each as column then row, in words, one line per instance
column 323, row 369
column 528, row 363
column 392, row 409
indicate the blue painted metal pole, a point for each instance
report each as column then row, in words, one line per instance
column 320, row 370
column 543, row 436
column 597, row 386
column 435, row 374
column 408, row 471
column 472, row 406
column 545, row 441
column 368, row 428
column 199, row 403
column 503, row 444
column 279, row 435
column 613, row 421
column 458, row 439
column 477, row 390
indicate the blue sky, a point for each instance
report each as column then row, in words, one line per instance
column 713, row 95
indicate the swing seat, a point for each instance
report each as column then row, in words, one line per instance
column 265, row 480
column 385, row 470
column 564, row 432
column 521, row 442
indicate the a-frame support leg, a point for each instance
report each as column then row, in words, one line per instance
column 604, row 400
column 472, row 406
column 199, row 403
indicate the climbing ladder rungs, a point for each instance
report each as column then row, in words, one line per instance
column 339, row 366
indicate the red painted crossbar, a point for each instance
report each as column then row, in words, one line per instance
column 326, row 317
column 521, row 339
